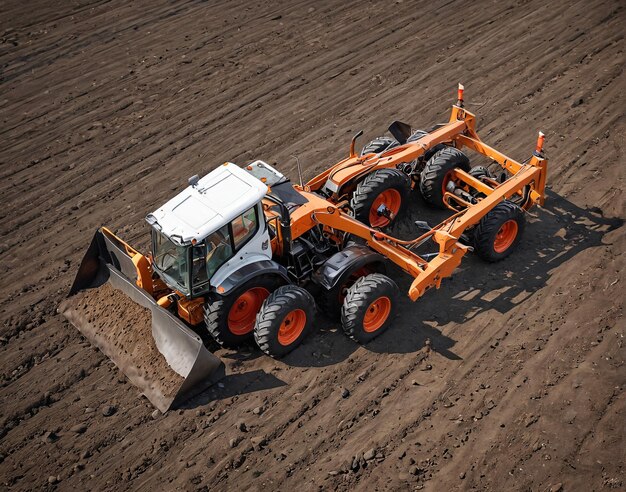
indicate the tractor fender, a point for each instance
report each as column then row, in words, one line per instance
column 249, row 271
column 339, row 266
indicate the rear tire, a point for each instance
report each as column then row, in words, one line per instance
column 388, row 187
column 378, row 145
column 416, row 135
column 369, row 307
column 330, row 301
column 230, row 319
column 284, row 321
column 436, row 174
column 499, row 232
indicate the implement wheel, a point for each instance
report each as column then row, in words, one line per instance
column 499, row 232
column 378, row 145
column 438, row 173
column 284, row 320
column 369, row 307
column 417, row 134
column 480, row 172
column 380, row 197
column 230, row 319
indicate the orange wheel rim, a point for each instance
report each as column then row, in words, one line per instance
column 291, row 327
column 505, row 236
column 243, row 312
column 446, row 179
column 376, row 314
column 392, row 200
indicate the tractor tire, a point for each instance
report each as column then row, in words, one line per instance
column 285, row 319
column 379, row 144
column 230, row 319
column 330, row 301
column 369, row 306
column 436, row 174
column 480, row 172
column 417, row 134
column 499, row 232
column 388, row 187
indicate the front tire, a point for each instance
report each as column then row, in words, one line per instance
column 369, row 307
column 499, row 232
column 284, row 321
column 380, row 197
column 230, row 319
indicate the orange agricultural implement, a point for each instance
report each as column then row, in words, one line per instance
column 241, row 251
column 376, row 182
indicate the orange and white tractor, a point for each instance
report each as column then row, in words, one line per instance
column 237, row 251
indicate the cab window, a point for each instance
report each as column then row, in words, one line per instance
column 221, row 245
column 218, row 249
column 170, row 259
column 244, row 227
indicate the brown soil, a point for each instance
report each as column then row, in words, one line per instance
column 108, row 107
column 123, row 330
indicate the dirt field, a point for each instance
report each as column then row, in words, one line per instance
column 107, row 107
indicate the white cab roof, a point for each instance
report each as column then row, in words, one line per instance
column 215, row 200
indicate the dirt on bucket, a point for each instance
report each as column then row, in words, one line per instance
column 122, row 329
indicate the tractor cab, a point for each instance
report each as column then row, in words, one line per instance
column 211, row 227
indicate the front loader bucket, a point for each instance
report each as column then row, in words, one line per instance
column 109, row 309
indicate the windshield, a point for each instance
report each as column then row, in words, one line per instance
column 171, row 260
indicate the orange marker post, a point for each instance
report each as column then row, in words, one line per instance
column 459, row 102
column 539, row 147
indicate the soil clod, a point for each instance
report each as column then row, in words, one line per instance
column 79, row 428
column 108, row 410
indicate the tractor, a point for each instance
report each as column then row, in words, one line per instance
column 239, row 251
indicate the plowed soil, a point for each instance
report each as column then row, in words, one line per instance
column 107, row 107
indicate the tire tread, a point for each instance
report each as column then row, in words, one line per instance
column 267, row 318
column 359, row 296
column 490, row 224
column 374, row 184
column 436, row 168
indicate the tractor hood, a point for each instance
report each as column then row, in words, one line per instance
column 207, row 205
